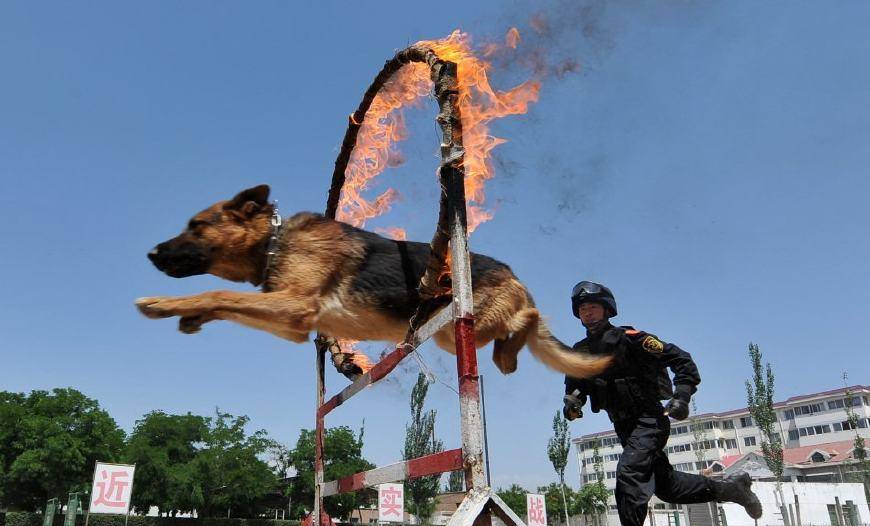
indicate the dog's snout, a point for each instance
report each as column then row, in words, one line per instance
column 179, row 258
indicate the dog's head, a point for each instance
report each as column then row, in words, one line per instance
column 226, row 239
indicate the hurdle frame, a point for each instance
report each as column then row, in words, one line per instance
column 480, row 501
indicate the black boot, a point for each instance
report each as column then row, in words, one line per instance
column 738, row 489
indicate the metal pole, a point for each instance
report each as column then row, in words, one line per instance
column 485, row 437
column 466, row 354
column 318, row 439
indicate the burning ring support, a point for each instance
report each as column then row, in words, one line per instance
column 452, row 230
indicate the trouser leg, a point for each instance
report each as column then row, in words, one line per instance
column 635, row 482
column 680, row 488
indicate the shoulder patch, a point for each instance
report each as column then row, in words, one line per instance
column 653, row 344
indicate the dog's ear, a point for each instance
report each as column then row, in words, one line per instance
column 248, row 202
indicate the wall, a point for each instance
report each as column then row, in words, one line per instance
column 814, row 500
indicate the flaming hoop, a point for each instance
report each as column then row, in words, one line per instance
column 377, row 125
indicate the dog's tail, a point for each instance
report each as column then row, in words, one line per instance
column 556, row 355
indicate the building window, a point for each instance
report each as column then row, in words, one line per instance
column 745, row 421
column 835, row 404
column 817, row 457
column 679, row 448
column 817, row 430
column 730, row 443
column 793, row 434
column 705, row 444
column 710, row 424
column 789, row 414
column 749, row 441
column 728, row 424
column 809, row 409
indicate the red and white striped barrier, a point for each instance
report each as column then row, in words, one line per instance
column 419, row 467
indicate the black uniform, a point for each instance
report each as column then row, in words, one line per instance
column 631, row 392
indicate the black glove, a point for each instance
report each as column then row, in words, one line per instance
column 677, row 408
column 573, row 407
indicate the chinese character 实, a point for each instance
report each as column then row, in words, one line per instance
column 111, row 489
column 389, row 503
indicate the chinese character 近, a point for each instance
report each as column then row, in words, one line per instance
column 111, row 489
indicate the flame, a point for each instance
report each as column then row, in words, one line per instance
column 356, row 356
column 384, row 126
column 512, row 38
column 393, row 232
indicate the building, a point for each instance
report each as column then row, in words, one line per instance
column 815, row 430
column 446, row 505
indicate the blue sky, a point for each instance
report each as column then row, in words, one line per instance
column 708, row 162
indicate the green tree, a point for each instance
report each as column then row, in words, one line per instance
column 592, row 498
column 420, row 440
column 558, row 448
column 12, row 413
column 699, row 436
column 759, row 398
column 553, row 495
column 228, row 475
column 49, row 443
column 515, row 498
column 455, row 482
column 164, row 447
column 342, row 457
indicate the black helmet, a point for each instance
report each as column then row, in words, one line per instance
column 587, row 291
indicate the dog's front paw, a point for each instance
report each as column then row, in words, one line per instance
column 191, row 324
column 154, row 307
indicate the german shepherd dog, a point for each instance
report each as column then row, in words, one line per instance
column 330, row 277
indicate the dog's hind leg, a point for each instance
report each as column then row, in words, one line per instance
column 505, row 350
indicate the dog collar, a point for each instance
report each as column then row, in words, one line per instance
column 272, row 248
